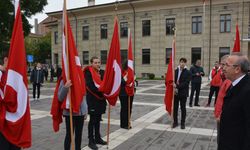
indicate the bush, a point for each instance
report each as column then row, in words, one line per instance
column 151, row 76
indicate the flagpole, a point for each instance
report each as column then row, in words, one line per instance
column 129, row 112
column 129, row 123
column 108, row 126
column 109, row 109
column 173, row 71
column 69, row 95
column 204, row 33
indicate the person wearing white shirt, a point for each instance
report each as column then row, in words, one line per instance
column 235, row 118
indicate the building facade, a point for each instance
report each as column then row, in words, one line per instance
column 205, row 33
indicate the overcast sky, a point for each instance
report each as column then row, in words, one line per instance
column 56, row 5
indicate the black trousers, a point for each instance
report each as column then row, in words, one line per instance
column 6, row 145
column 218, row 131
column 78, row 122
column 182, row 101
column 195, row 87
column 36, row 86
column 94, row 127
column 211, row 93
column 124, row 110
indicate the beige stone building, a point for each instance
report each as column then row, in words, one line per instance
column 205, row 35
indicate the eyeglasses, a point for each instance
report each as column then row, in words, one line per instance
column 222, row 64
column 228, row 65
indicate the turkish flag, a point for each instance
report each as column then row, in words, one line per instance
column 14, row 108
column 112, row 76
column 169, row 93
column 237, row 40
column 71, row 67
column 71, row 70
column 130, row 78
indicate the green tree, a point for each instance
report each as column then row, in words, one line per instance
column 40, row 48
column 28, row 7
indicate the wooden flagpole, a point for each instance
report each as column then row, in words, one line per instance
column 68, row 95
column 129, row 124
column 108, row 126
column 109, row 108
column 173, row 65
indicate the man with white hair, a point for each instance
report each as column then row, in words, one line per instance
column 234, row 131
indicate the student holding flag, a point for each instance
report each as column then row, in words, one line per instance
column 96, row 101
column 182, row 79
column 126, row 98
column 69, row 94
column 127, row 87
column 78, row 118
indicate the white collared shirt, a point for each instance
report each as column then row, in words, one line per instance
column 237, row 80
column 179, row 73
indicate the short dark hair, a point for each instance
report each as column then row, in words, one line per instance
column 183, row 59
column 92, row 59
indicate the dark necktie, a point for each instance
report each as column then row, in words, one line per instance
column 229, row 90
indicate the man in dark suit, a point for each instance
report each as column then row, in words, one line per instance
column 182, row 79
column 235, row 118
column 95, row 100
column 196, row 71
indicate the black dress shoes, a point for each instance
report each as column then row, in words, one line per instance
column 101, row 142
column 183, row 126
column 93, row 146
column 175, row 125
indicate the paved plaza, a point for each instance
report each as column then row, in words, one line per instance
column 150, row 123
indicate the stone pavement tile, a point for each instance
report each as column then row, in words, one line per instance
column 144, row 85
column 161, row 141
column 151, row 82
column 47, row 92
column 149, row 99
column 188, row 142
column 43, row 104
column 175, row 141
column 207, row 132
column 195, row 118
column 137, row 111
column 213, row 143
column 202, row 143
column 141, row 140
column 155, row 91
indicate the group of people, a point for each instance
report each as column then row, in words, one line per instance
column 38, row 75
column 183, row 77
column 94, row 104
column 230, row 81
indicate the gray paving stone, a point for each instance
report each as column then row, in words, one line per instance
column 202, row 143
column 188, row 142
column 161, row 141
column 194, row 118
column 149, row 99
column 137, row 111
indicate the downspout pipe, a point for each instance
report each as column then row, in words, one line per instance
column 210, row 37
column 132, row 6
column 76, row 21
